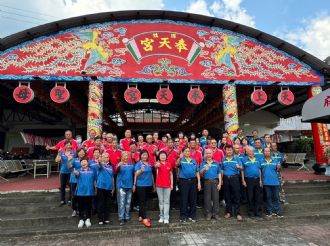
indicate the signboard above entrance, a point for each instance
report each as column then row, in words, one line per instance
column 154, row 51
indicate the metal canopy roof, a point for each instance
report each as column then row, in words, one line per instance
column 64, row 24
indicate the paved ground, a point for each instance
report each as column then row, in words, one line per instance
column 27, row 183
column 274, row 232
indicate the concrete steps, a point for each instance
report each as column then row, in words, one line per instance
column 38, row 213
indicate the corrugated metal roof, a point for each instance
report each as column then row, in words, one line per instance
column 56, row 26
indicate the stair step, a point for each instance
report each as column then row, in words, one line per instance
column 134, row 227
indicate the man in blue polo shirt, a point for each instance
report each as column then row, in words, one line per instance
column 231, row 167
column 276, row 155
column 252, row 173
column 240, row 156
column 269, row 168
column 258, row 151
column 211, row 172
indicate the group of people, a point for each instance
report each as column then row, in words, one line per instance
column 231, row 169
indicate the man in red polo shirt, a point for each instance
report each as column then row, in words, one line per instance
column 125, row 142
column 140, row 143
column 152, row 149
column 108, row 143
column 60, row 145
column 194, row 152
column 89, row 142
column 97, row 145
column 217, row 153
column 114, row 154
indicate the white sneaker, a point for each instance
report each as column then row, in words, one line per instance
column 166, row 222
column 74, row 213
column 88, row 223
column 161, row 220
column 81, row 224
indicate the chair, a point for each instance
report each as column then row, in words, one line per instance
column 38, row 164
column 3, row 170
column 301, row 160
column 290, row 158
column 15, row 167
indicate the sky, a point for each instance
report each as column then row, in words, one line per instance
column 304, row 23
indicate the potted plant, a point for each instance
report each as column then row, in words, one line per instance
column 327, row 155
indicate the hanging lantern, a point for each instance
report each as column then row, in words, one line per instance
column 59, row 93
column 164, row 95
column 23, row 93
column 195, row 95
column 285, row 97
column 132, row 94
column 258, row 96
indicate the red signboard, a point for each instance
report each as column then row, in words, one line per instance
column 132, row 95
column 23, row 94
column 285, row 97
column 149, row 51
column 259, row 97
column 60, row 94
column 195, row 96
column 164, row 96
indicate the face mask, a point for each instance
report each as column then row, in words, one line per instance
column 78, row 140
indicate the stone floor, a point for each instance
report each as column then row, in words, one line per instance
column 275, row 233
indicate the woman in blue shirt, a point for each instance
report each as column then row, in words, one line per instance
column 143, row 183
column 65, row 157
column 189, row 179
column 269, row 168
column 105, row 189
column 75, row 164
column 85, row 191
column 124, row 183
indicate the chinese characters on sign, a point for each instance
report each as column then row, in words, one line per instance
column 195, row 96
column 326, row 102
column 259, row 97
column 163, row 43
column 164, row 96
column 60, row 94
column 285, row 97
column 132, row 95
column 23, row 94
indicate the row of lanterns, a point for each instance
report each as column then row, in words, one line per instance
column 164, row 95
column 60, row 94
column 259, row 96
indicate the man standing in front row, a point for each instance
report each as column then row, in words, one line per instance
column 231, row 168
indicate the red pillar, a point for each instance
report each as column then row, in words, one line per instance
column 320, row 132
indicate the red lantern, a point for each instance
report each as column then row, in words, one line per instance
column 60, row 94
column 23, row 93
column 164, row 95
column 132, row 95
column 285, row 97
column 195, row 95
column 259, row 97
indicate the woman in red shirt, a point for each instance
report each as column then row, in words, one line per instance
column 164, row 185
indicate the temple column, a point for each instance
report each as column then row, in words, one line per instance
column 95, row 107
column 230, row 109
column 320, row 131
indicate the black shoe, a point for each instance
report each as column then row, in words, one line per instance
column 279, row 215
column 183, row 221
column 192, row 220
column 122, row 222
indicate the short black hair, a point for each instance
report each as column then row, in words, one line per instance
column 228, row 146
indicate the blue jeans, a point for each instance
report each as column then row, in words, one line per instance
column 272, row 199
column 124, row 197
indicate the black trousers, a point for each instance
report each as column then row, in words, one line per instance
column 143, row 193
column 64, row 180
column 232, row 194
column 173, row 192
column 188, row 198
column 253, row 194
column 244, row 199
column 103, row 204
column 73, row 187
column 85, row 207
